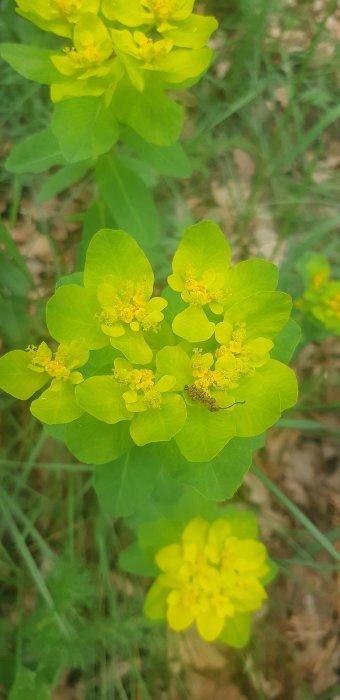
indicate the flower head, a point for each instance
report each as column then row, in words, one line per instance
column 321, row 297
column 213, row 578
column 57, row 16
column 146, row 397
column 90, row 66
column 23, row 373
column 116, row 303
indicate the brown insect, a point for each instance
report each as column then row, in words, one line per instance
column 201, row 396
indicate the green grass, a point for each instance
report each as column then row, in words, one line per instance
column 66, row 605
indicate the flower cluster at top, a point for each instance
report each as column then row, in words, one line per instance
column 321, row 297
column 118, row 41
column 212, row 576
column 193, row 364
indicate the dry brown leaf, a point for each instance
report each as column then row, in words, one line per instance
column 281, row 94
column 244, row 164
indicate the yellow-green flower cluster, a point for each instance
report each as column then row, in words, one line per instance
column 113, row 41
column 212, row 577
column 196, row 368
column 321, row 297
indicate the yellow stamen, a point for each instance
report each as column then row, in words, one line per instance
column 143, row 382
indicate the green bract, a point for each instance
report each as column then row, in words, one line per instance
column 24, row 372
column 114, row 305
column 321, row 297
column 57, row 16
column 205, row 382
column 142, row 396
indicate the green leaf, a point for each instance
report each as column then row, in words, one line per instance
column 76, row 278
column 116, row 254
column 12, row 250
column 133, row 346
column 155, row 602
column 100, row 363
column 249, row 277
column 103, row 399
column 31, row 62
column 129, row 200
column 173, row 360
column 57, row 406
column 154, row 116
column 156, row 534
column 219, row 478
column 286, row 342
column 71, row 315
column 264, row 313
column 134, row 561
column 236, row 632
column 36, row 154
column 194, row 31
column 94, row 442
column 61, row 180
column 84, row 128
column 27, row 687
column 124, row 486
column 193, row 325
column 159, row 424
column 267, row 392
column 203, row 247
column 16, row 378
column 167, row 160
column 204, row 434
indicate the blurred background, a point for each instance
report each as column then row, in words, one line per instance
column 262, row 135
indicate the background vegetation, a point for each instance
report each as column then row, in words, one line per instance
column 261, row 135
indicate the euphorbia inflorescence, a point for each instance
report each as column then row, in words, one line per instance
column 212, row 576
column 320, row 302
column 138, row 43
column 193, row 364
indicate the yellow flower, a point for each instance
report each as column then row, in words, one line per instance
column 57, row 16
column 210, row 578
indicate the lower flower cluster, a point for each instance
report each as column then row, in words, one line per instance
column 213, row 577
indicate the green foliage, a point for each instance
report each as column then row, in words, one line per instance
column 35, row 154
column 167, row 160
column 31, row 62
column 123, row 486
column 84, row 128
column 129, row 200
column 28, row 687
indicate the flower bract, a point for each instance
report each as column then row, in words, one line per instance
column 145, row 397
column 24, row 372
column 56, row 16
column 115, row 305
